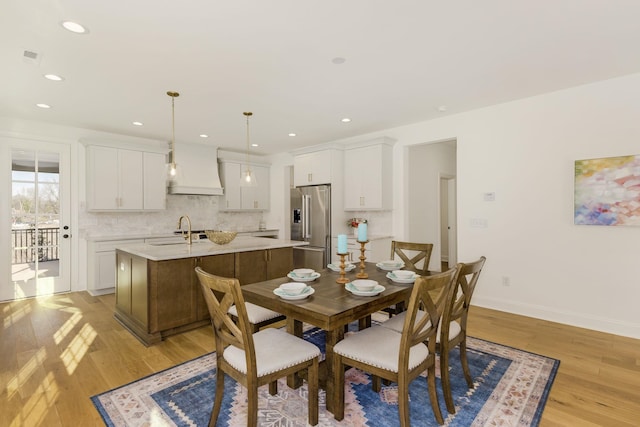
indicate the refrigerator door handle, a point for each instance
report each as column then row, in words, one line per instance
column 306, row 213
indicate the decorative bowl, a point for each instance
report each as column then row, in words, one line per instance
column 303, row 272
column 403, row 274
column 364, row 285
column 220, row 237
column 293, row 288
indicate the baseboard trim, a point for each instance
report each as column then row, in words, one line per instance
column 611, row 326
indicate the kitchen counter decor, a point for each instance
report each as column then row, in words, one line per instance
column 221, row 237
column 354, row 223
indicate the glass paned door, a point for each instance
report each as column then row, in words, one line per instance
column 40, row 231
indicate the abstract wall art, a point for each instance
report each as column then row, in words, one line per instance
column 607, row 191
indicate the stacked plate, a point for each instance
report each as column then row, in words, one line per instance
column 410, row 278
column 365, row 288
column 285, row 294
column 303, row 275
column 390, row 265
column 336, row 267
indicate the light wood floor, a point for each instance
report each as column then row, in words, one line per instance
column 56, row 352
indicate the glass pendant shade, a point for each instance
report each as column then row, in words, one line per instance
column 172, row 169
column 248, row 178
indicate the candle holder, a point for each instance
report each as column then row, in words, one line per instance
column 342, row 279
column 362, row 274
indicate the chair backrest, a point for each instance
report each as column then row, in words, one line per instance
column 220, row 293
column 429, row 295
column 423, row 254
column 461, row 293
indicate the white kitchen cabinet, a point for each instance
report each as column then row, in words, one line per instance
column 101, row 265
column 120, row 179
column 368, row 177
column 315, row 168
column 238, row 198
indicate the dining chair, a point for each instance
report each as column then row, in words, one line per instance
column 405, row 251
column 253, row 359
column 404, row 356
column 452, row 330
column 411, row 254
column 258, row 316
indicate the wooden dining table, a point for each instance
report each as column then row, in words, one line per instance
column 330, row 308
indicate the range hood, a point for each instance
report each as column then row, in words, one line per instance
column 197, row 167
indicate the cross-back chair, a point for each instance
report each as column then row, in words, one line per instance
column 403, row 356
column 453, row 327
column 253, row 359
column 411, row 261
column 452, row 330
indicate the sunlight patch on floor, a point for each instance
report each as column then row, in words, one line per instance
column 39, row 403
column 78, row 347
column 14, row 317
column 68, row 326
column 24, row 373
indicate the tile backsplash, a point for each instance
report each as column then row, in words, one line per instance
column 202, row 210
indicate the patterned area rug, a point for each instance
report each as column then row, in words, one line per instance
column 511, row 388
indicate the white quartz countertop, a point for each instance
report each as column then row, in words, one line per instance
column 151, row 235
column 165, row 251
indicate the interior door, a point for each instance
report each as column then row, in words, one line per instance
column 35, row 231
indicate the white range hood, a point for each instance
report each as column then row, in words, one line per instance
column 197, row 171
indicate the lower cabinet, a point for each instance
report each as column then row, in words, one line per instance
column 257, row 266
column 155, row 299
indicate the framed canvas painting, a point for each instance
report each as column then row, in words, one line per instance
column 607, row 191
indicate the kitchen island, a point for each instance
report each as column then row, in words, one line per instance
column 157, row 290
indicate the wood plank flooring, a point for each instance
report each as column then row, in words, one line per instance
column 56, row 352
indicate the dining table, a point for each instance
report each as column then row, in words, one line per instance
column 330, row 307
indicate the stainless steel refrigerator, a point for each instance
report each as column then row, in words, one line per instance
column 311, row 222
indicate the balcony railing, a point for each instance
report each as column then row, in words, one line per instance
column 29, row 244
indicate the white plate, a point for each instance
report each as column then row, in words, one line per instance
column 336, row 267
column 397, row 266
column 311, row 278
column 399, row 280
column 349, row 286
column 307, row 292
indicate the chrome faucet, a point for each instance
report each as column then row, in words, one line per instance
column 188, row 237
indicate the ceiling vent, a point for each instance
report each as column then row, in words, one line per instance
column 31, row 57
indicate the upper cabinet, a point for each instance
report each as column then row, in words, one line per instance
column 237, row 198
column 368, row 176
column 121, row 179
column 315, row 168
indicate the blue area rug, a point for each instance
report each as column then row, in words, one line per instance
column 511, row 388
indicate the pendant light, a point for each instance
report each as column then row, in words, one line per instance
column 173, row 166
column 248, row 179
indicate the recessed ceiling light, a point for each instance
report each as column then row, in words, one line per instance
column 45, row 106
column 338, row 60
column 137, row 123
column 254, row 145
column 346, row 120
column 53, row 77
column 292, row 134
column 74, row 27
column 442, row 108
column 204, row 135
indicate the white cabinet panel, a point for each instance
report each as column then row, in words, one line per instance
column 101, row 265
column 367, row 175
column 237, row 198
column 120, row 179
column 312, row 168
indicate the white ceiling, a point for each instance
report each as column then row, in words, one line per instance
column 404, row 59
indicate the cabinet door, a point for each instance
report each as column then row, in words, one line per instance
column 280, row 262
column 220, row 265
column 251, row 267
column 102, row 180
column 105, row 275
column 139, row 291
column 231, row 182
column 172, row 294
column 312, row 168
column 155, row 184
column 257, row 198
column 130, row 176
column 367, row 187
